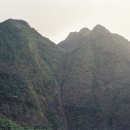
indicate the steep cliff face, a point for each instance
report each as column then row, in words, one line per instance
column 96, row 83
column 29, row 73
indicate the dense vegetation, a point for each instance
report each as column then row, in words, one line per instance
column 96, row 85
column 6, row 124
column 28, row 72
column 81, row 84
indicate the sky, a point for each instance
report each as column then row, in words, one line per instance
column 56, row 18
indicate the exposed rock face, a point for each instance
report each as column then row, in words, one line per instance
column 81, row 84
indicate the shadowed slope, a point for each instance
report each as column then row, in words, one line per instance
column 96, row 82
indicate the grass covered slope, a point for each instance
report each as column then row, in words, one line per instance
column 28, row 76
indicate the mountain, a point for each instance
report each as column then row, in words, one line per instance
column 96, row 85
column 75, row 39
column 29, row 72
column 80, row 84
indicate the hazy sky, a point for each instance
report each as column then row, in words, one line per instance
column 56, row 18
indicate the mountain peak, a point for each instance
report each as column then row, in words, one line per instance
column 16, row 22
column 84, row 30
column 100, row 29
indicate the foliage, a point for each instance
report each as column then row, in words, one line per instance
column 6, row 124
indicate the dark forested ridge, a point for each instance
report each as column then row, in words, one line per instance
column 83, row 83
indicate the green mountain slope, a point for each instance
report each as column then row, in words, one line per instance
column 29, row 64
